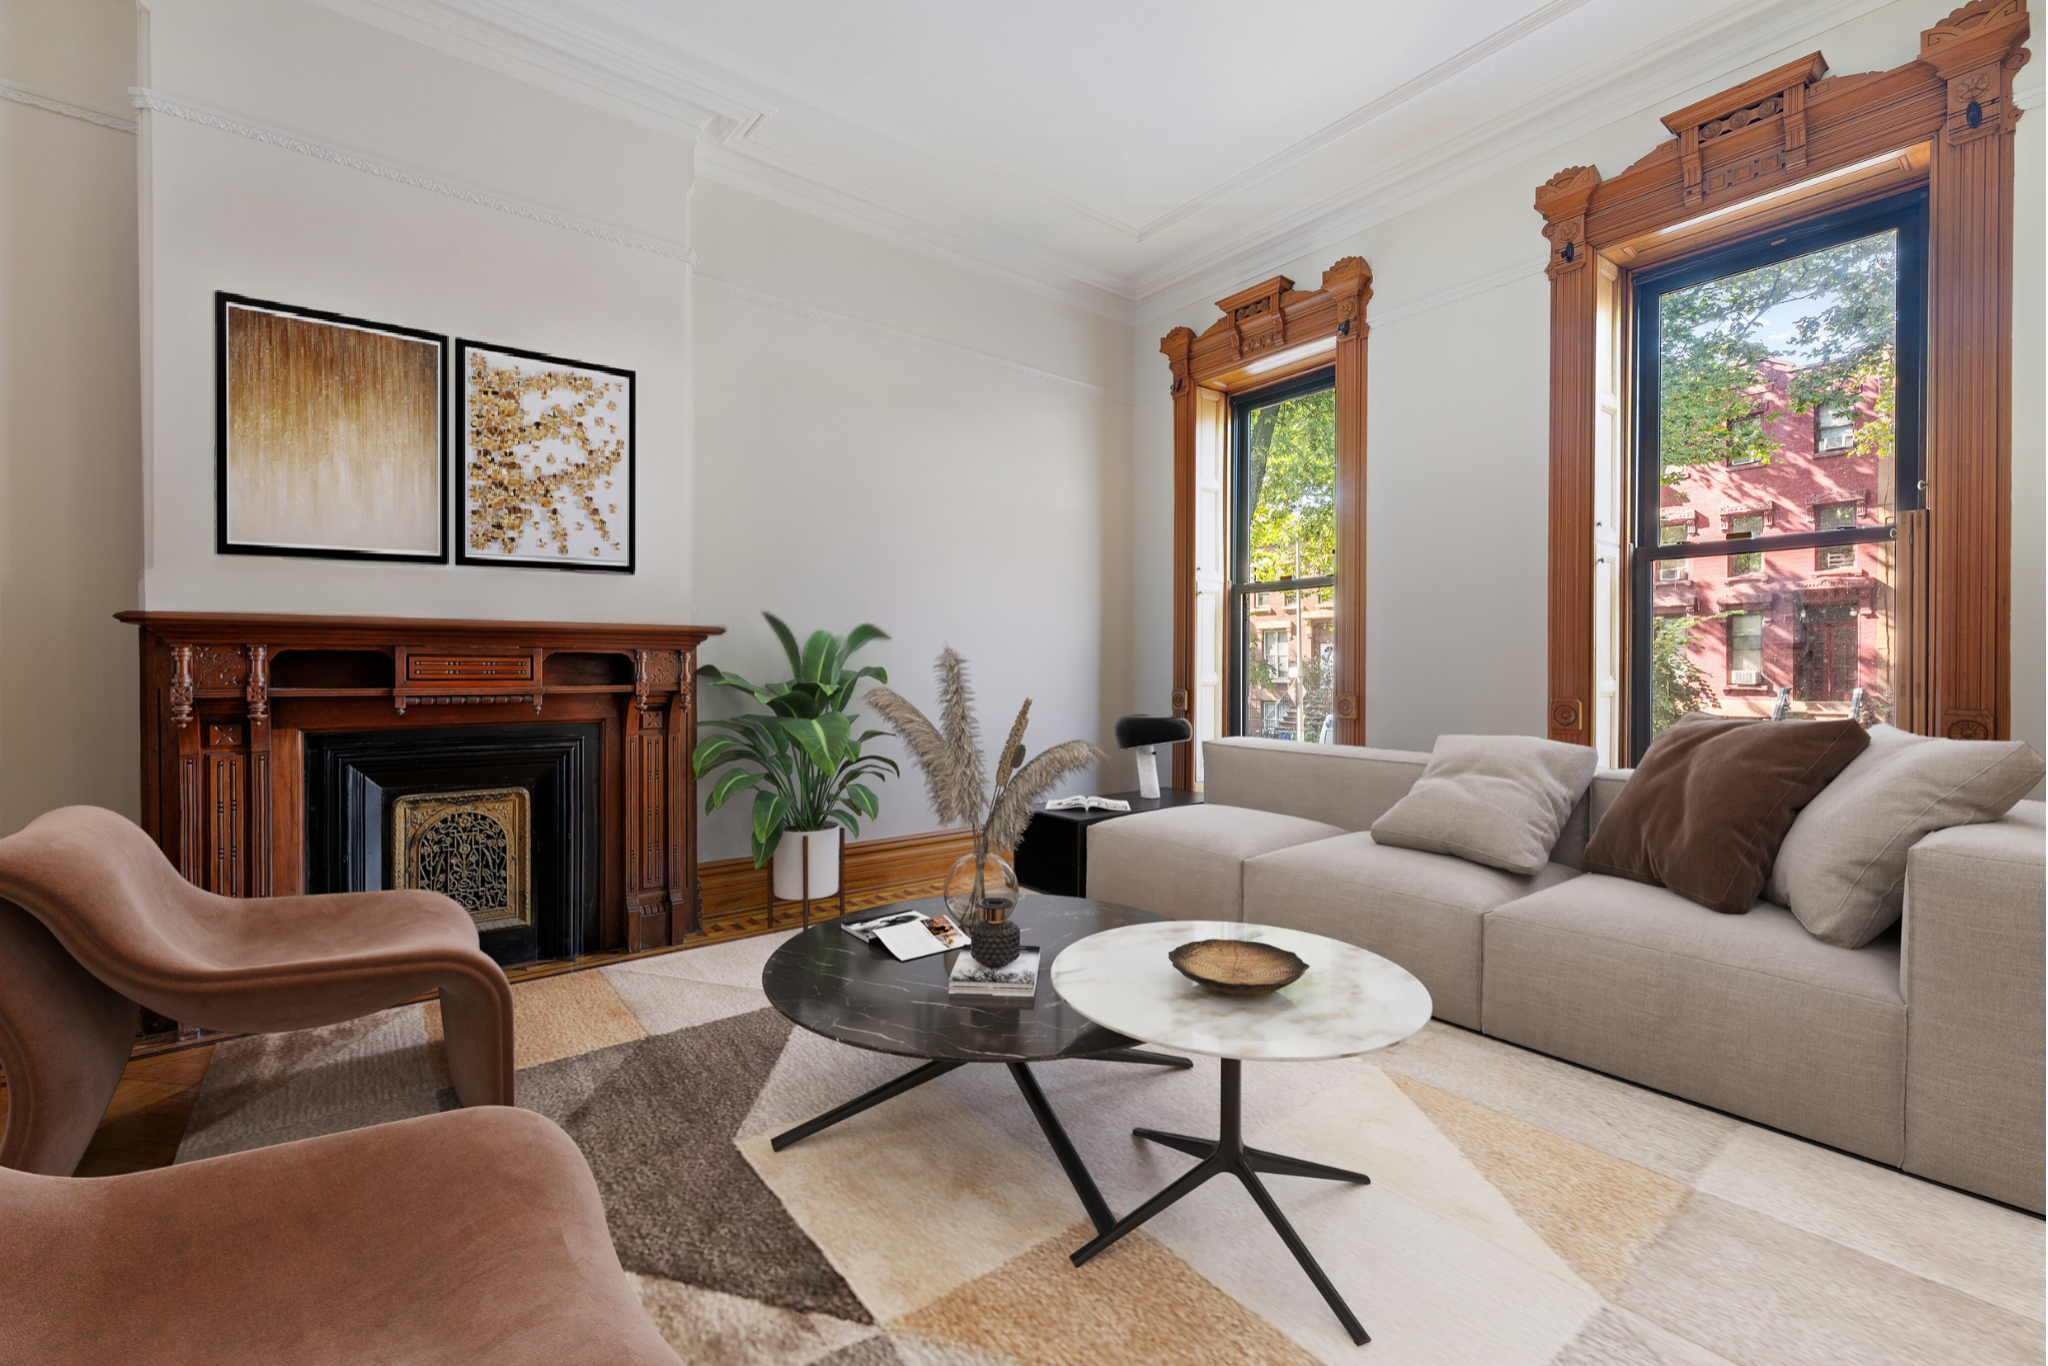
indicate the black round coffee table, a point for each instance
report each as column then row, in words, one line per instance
column 832, row 984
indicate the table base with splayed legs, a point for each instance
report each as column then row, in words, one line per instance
column 1348, row 1002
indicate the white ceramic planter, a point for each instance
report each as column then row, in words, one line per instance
column 824, row 859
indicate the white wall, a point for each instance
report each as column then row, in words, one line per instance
column 70, row 487
column 222, row 210
column 1457, row 440
column 869, row 449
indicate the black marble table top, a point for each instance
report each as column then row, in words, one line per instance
column 832, row 984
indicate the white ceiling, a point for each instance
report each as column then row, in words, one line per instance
column 1130, row 156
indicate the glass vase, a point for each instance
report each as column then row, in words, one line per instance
column 981, row 888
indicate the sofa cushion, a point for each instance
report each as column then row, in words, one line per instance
column 1711, row 801
column 1500, row 800
column 1421, row 910
column 1343, row 785
column 1752, row 1015
column 1187, row 861
column 1842, row 868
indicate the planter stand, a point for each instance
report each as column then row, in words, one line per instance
column 806, row 898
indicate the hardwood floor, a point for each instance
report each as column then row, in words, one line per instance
column 146, row 1118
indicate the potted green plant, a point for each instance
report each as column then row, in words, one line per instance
column 800, row 759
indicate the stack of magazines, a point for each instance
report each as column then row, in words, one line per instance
column 1017, row 978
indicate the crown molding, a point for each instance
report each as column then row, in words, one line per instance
column 796, row 183
column 1571, row 105
column 156, row 102
column 592, row 62
column 738, row 113
column 70, row 109
column 2030, row 98
column 917, row 339
column 1498, row 41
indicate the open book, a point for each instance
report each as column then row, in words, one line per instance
column 1088, row 804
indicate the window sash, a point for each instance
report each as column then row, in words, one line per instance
column 1906, row 214
column 1237, row 646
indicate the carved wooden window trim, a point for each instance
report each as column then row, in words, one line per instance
column 1310, row 329
column 1945, row 120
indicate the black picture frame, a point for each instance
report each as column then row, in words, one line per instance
column 225, row 540
column 468, row 554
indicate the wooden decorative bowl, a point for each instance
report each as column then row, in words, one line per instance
column 1237, row 967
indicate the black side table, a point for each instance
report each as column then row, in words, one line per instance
column 1053, row 855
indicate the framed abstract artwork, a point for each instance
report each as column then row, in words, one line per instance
column 331, row 435
column 547, row 461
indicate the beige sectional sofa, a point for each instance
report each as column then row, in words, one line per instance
column 1922, row 1050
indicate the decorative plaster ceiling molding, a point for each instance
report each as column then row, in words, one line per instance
column 1570, row 105
column 798, row 184
column 765, row 133
column 1498, row 41
column 916, row 339
column 589, row 62
column 57, row 104
column 156, row 102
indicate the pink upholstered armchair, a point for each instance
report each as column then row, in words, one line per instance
column 94, row 920
column 462, row 1237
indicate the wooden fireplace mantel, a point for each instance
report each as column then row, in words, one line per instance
column 227, row 700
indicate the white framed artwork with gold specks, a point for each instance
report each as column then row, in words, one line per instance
column 546, row 461
column 331, row 435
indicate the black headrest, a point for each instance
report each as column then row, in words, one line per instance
column 1134, row 731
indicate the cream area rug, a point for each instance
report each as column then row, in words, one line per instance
column 1522, row 1213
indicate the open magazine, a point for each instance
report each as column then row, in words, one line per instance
column 1088, row 804
column 908, row 934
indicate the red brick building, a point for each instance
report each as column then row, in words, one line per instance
column 1816, row 621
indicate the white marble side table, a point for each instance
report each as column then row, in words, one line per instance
column 1348, row 1002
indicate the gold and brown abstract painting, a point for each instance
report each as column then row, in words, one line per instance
column 333, row 436
column 547, row 452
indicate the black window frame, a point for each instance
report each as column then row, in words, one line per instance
column 1905, row 214
column 1295, row 386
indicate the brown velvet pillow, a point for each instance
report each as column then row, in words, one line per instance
column 1705, row 811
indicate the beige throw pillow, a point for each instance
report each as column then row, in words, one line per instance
column 1500, row 800
column 1842, row 867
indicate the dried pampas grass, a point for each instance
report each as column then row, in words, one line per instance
column 953, row 797
column 956, row 720
column 1013, row 748
column 950, row 755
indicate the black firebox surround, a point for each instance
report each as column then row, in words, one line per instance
column 352, row 777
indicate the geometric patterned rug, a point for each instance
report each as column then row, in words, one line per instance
column 1523, row 1212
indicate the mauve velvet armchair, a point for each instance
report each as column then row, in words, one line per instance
column 462, row 1237
column 94, row 920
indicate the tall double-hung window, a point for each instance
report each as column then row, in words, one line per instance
column 1283, row 552
column 1778, row 389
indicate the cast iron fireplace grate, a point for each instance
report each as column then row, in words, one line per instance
column 503, row 818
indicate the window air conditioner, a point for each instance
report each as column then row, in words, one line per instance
column 1745, row 678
